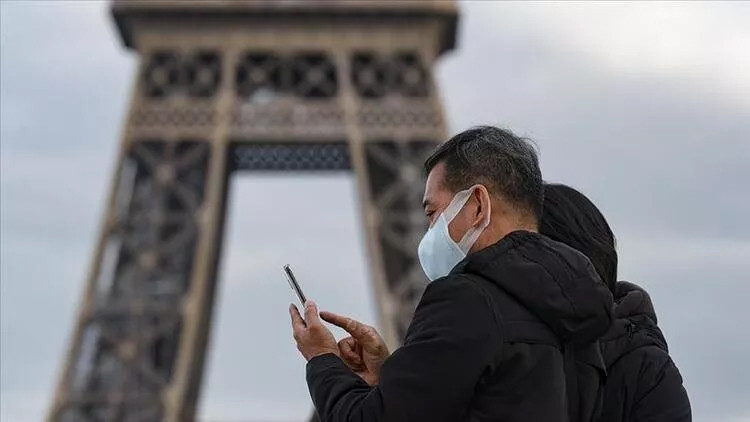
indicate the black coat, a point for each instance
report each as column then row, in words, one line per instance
column 643, row 383
column 485, row 344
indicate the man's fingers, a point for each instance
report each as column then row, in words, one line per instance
column 298, row 324
column 349, row 347
column 357, row 330
column 346, row 348
column 348, row 352
column 311, row 314
column 335, row 319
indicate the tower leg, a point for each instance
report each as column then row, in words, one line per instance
column 139, row 308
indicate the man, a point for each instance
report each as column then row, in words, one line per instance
column 506, row 331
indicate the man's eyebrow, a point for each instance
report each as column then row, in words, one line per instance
column 425, row 203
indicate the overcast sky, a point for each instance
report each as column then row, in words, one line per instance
column 644, row 107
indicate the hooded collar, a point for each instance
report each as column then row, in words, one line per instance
column 555, row 282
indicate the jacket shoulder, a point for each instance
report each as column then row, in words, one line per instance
column 650, row 364
column 516, row 323
column 454, row 302
column 647, row 385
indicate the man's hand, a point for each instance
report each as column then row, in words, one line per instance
column 365, row 351
column 313, row 338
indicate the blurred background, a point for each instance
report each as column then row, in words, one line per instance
column 645, row 107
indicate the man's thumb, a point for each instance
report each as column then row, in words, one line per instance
column 311, row 313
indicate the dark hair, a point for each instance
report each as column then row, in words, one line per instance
column 505, row 163
column 568, row 216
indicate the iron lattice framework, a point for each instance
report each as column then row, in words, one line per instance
column 246, row 86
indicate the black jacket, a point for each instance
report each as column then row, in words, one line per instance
column 484, row 343
column 643, row 383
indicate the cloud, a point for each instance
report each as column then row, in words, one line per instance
column 697, row 45
column 48, row 48
column 699, row 288
column 672, row 155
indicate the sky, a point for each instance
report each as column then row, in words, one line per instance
column 645, row 107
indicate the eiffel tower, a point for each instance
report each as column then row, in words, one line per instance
column 228, row 86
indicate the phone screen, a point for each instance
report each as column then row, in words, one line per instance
column 293, row 284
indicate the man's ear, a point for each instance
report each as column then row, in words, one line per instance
column 482, row 195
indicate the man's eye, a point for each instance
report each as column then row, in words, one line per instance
column 429, row 214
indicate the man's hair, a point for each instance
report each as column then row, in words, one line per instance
column 505, row 163
column 570, row 217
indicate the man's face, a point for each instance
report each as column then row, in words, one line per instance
column 437, row 197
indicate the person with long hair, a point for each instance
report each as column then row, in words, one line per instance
column 643, row 383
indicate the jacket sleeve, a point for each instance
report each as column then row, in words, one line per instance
column 449, row 345
column 665, row 398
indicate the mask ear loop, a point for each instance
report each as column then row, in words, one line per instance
column 457, row 204
column 473, row 233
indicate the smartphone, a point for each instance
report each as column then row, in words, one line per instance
column 293, row 284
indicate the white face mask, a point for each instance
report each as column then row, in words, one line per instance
column 438, row 252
